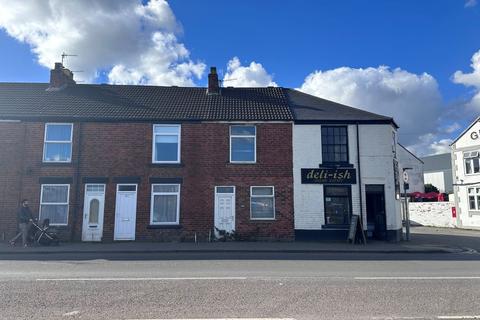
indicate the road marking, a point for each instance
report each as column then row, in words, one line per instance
column 142, row 279
column 223, row 319
column 419, row 278
column 72, row 313
column 458, row 317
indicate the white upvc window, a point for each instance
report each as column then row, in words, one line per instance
column 474, row 198
column 243, row 144
column 472, row 162
column 262, row 203
column 57, row 146
column 165, row 204
column 166, row 143
column 54, row 201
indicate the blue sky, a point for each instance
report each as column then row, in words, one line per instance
column 290, row 41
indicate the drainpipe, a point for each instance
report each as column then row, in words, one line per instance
column 77, row 183
column 359, row 177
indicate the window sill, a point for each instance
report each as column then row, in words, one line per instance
column 336, row 165
column 167, row 165
column 164, row 226
column 262, row 220
column 57, row 164
column 235, row 163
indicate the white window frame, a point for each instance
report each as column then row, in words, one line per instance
column 55, row 141
column 244, row 136
column 262, row 196
column 470, row 159
column 179, row 126
column 153, row 194
column 58, row 203
column 476, row 195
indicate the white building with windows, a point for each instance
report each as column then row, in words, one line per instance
column 466, row 176
column 345, row 163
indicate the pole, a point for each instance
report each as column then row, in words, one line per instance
column 407, row 214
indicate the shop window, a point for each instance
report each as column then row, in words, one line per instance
column 54, row 203
column 243, row 144
column 337, row 205
column 334, row 144
column 474, row 199
column 166, row 144
column 57, row 145
column 165, row 207
column 262, row 203
column 472, row 162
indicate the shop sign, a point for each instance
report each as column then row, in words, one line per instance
column 329, row 175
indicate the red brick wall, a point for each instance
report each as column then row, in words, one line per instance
column 11, row 155
column 125, row 149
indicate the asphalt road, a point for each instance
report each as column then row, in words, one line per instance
column 219, row 286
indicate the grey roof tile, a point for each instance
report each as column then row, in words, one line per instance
column 95, row 102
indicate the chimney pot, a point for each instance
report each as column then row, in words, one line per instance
column 213, row 86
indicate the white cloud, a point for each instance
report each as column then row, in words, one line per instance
column 253, row 75
column 470, row 3
column 429, row 144
column 131, row 41
column 413, row 100
column 452, row 127
column 471, row 80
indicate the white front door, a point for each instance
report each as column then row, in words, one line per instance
column 225, row 209
column 125, row 212
column 93, row 209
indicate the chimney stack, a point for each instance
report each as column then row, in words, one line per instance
column 213, row 87
column 60, row 77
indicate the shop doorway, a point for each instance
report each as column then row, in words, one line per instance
column 376, row 215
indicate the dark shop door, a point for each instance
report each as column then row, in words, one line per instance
column 376, row 216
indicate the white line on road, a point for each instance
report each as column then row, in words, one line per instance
column 142, row 279
column 458, row 317
column 419, row 278
column 224, row 319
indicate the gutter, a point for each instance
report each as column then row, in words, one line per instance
column 359, row 176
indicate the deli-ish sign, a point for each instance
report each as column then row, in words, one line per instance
column 329, row 175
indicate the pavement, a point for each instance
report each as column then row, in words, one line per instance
column 423, row 240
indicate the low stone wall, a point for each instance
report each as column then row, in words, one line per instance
column 434, row 214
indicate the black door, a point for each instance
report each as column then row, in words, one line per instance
column 376, row 216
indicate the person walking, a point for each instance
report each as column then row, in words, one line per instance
column 24, row 218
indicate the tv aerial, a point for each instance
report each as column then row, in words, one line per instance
column 64, row 55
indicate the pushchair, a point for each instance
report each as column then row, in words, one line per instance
column 43, row 234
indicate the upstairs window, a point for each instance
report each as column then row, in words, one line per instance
column 334, row 144
column 57, row 145
column 166, row 144
column 243, row 144
column 472, row 162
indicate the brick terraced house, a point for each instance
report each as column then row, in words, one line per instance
column 127, row 162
